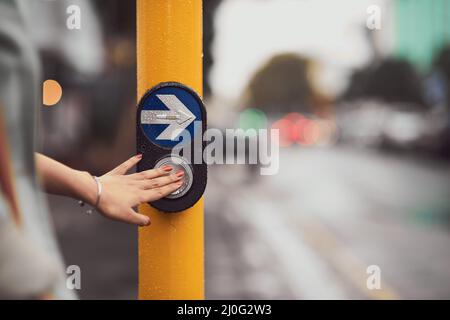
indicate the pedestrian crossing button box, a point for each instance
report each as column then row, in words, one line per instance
column 167, row 115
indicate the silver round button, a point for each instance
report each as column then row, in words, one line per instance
column 178, row 163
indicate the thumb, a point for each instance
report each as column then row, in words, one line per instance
column 138, row 219
column 126, row 166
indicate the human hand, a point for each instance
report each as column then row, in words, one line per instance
column 122, row 192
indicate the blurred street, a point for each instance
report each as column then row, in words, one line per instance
column 312, row 230
column 309, row 232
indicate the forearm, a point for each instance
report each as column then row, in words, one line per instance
column 120, row 192
column 58, row 178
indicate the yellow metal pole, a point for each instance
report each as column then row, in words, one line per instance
column 171, row 249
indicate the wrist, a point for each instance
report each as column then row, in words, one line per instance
column 86, row 187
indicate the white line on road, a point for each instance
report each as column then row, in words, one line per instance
column 302, row 266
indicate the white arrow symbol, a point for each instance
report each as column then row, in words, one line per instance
column 178, row 117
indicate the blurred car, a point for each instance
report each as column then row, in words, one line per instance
column 360, row 123
column 404, row 125
column 400, row 126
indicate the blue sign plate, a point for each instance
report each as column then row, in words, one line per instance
column 168, row 109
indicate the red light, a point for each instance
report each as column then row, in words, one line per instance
column 311, row 133
column 285, row 127
column 296, row 121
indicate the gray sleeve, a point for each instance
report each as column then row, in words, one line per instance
column 25, row 270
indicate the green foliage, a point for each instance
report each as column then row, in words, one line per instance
column 281, row 85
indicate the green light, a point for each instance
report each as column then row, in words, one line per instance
column 252, row 119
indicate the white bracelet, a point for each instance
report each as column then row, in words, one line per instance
column 99, row 191
column 99, row 195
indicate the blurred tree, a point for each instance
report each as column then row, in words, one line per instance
column 357, row 84
column 442, row 63
column 392, row 81
column 283, row 85
column 209, row 10
column 118, row 17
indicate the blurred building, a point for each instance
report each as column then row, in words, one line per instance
column 422, row 28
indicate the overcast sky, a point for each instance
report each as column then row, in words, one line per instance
column 249, row 32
